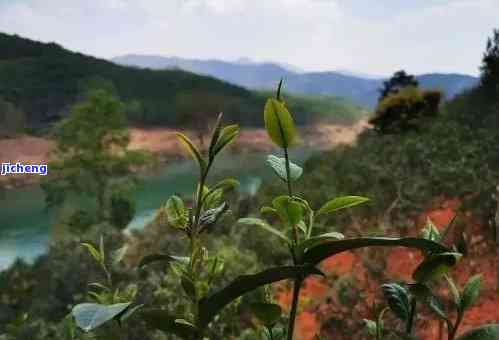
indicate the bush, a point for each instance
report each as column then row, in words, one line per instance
column 405, row 110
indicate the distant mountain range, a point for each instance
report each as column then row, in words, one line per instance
column 360, row 88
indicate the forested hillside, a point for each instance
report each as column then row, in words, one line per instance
column 43, row 80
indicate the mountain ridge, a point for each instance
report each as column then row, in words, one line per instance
column 360, row 89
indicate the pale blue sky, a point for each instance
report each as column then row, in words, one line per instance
column 371, row 36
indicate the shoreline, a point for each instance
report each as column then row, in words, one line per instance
column 163, row 144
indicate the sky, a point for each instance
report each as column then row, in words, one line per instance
column 370, row 36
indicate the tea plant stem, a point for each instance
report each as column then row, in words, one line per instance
column 288, row 175
column 294, row 307
column 453, row 330
column 412, row 314
column 199, row 198
column 271, row 333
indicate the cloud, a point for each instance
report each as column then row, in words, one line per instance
column 376, row 37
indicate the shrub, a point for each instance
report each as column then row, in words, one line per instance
column 404, row 110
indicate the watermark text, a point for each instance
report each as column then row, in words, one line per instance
column 19, row 168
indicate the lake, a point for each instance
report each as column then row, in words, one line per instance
column 25, row 225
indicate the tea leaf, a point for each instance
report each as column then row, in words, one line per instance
column 211, row 216
column 435, row 266
column 322, row 251
column 227, row 136
column 397, row 298
column 89, row 316
column 470, row 292
column 485, row 332
column 176, row 212
column 93, row 251
column 211, row 305
column 454, row 292
column 215, row 136
column 279, row 166
column 161, row 257
column 279, row 123
column 189, row 145
column 289, row 211
column 226, row 184
column 316, row 240
column 264, row 225
column 341, row 203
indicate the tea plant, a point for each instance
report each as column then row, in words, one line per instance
column 197, row 270
column 403, row 298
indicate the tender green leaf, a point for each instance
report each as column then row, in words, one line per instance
column 454, row 292
column 215, row 136
column 279, row 166
column 93, row 252
column 161, row 257
column 211, row 305
column 89, row 316
column 264, row 225
column 227, row 136
column 322, row 251
column 226, row 184
column 290, row 211
column 189, row 145
column 303, row 227
column 211, row 216
column 371, row 326
column 175, row 210
column 268, row 210
column 119, row 254
column 397, row 297
column 213, row 199
column 470, row 292
column 485, row 332
column 430, row 231
column 267, row 313
column 164, row 321
column 341, row 203
column 316, row 240
column 130, row 312
column 435, row 266
column 279, row 123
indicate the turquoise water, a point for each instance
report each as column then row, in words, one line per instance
column 25, row 225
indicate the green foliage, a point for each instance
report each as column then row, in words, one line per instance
column 89, row 316
column 397, row 82
column 92, row 159
column 42, row 80
column 485, row 332
column 397, row 298
column 279, row 123
column 122, row 209
column 12, row 119
column 405, row 110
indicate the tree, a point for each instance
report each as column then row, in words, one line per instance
column 405, row 109
column 12, row 120
column 398, row 81
column 91, row 158
column 490, row 66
